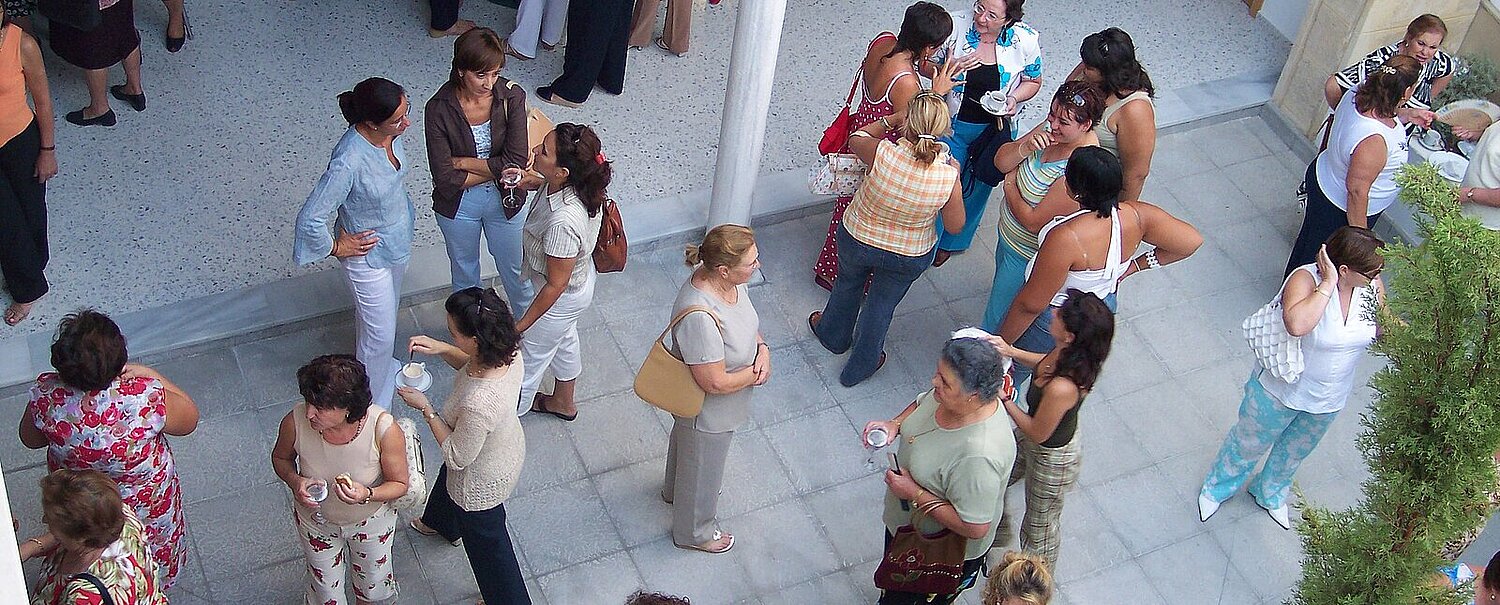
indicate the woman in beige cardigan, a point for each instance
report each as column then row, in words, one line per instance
column 480, row 437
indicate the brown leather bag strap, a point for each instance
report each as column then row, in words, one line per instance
column 684, row 313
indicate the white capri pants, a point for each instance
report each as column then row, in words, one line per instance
column 377, row 297
column 538, row 19
column 551, row 344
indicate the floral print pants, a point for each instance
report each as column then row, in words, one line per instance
column 1264, row 424
column 334, row 550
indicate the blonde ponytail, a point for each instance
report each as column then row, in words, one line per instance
column 926, row 121
column 723, row 245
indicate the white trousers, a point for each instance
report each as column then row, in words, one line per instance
column 377, row 297
column 535, row 19
column 551, row 344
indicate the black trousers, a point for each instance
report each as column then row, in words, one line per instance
column 23, row 217
column 1320, row 221
column 492, row 556
column 444, row 13
column 598, row 35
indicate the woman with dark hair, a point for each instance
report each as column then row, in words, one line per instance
column 336, row 443
column 1128, row 126
column 888, row 61
column 598, row 34
column 1353, row 181
column 95, row 548
column 1047, row 449
column 1003, row 59
column 1331, row 306
column 1423, row 37
column 114, row 41
column 886, row 239
column 96, row 411
column 955, row 451
column 476, row 127
column 1033, row 193
column 1091, row 250
column 372, row 234
column 569, row 175
column 28, row 157
column 480, row 437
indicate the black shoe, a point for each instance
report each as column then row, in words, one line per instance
column 137, row 102
column 105, row 119
column 175, row 44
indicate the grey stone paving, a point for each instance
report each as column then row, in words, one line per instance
column 806, row 513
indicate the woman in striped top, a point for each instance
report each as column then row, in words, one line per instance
column 1032, row 164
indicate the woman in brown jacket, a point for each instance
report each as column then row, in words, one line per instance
column 476, row 127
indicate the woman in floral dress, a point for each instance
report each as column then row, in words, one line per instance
column 97, row 412
column 888, row 62
column 92, row 536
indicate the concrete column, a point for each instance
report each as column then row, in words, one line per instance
column 12, row 583
column 747, row 100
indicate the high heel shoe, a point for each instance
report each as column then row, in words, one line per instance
column 175, row 44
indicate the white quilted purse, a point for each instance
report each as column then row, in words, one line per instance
column 415, row 498
column 1277, row 350
column 840, row 174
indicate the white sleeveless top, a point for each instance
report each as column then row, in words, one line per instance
column 1350, row 128
column 1100, row 282
column 1329, row 354
column 1108, row 139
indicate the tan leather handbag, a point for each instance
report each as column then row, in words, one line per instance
column 665, row 381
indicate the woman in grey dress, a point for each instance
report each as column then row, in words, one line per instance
column 727, row 355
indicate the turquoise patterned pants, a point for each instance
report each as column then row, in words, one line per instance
column 1264, row 424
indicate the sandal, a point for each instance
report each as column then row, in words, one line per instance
column 662, row 44
column 18, row 312
column 941, row 257
column 708, row 546
column 418, row 526
column 540, row 406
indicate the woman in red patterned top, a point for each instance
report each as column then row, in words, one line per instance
column 97, row 412
column 94, row 544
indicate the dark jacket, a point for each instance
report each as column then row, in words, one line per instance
column 449, row 136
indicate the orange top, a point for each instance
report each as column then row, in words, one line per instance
column 15, row 114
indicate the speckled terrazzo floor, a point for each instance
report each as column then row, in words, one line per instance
column 195, row 196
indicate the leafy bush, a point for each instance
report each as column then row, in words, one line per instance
column 1477, row 78
column 1430, row 433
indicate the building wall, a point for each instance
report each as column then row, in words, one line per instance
column 1285, row 15
column 1483, row 37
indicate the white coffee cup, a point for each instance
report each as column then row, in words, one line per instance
column 414, row 370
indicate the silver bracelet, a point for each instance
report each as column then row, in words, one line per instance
column 1151, row 260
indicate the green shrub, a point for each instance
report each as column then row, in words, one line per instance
column 1477, row 78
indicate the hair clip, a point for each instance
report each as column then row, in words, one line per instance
column 1386, row 69
column 1077, row 100
column 600, row 158
column 1103, row 47
column 928, row 93
column 927, row 137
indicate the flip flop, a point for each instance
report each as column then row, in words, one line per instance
column 17, row 313
column 541, row 408
column 713, row 551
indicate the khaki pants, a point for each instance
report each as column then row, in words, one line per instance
column 677, row 32
column 1050, row 473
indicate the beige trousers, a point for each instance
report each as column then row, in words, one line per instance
column 695, row 473
column 679, row 28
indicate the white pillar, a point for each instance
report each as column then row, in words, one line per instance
column 12, row 583
column 747, row 100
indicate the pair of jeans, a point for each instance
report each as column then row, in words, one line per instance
column 1038, row 339
column 377, row 297
column 479, row 212
column 859, row 318
column 1318, row 223
column 1010, row 275
column 598, row 34
column 23, row 217
column 976, row 192
column 1264, row 424
column 487, row 543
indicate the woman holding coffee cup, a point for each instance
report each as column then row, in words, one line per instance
column 480, row 437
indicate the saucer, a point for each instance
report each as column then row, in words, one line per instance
column 422, row 383
column 994, row 102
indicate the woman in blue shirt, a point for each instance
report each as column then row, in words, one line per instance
column 372, row 234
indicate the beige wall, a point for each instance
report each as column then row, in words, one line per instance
column 1336, row 33
column 1483, row 38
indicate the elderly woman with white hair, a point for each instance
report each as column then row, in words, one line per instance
column 955, row 455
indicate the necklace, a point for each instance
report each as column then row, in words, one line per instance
column 357, row 429
column 936, row 425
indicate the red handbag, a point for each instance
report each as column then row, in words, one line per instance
column 837, row 133
column 922, row 564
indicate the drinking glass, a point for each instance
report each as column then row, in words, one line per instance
column 875, row 440
column 510, row 197
column 317, row 491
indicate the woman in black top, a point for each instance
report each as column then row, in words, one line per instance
column 1047, row 451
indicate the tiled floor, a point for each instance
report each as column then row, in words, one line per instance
column 806, row 513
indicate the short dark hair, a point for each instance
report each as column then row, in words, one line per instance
column 478, row 49
column 582, row 153
column 374, row 100
column 336, row 382
column 1093, row 328
column 479, row 313
column 89, row 351
column 1084, row 102
column 1491, row 577
column 924, row 26
column 977, row 364
column 641, row 597
column 1112, row 52
column 1095, row 179
column 1384, row 89
column 83, row 506
column 1357, row 248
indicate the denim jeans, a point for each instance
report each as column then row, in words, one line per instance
column 859, row 318
column 1320, row 221
column 487, row 542
column 1038, row 339
column 479, row 212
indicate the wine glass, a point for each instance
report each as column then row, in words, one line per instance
column 509, row 180
column 317, row 491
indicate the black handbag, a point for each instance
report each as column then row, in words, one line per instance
column 980, row 164
column 82, row 15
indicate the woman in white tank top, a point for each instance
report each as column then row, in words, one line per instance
column 1354, row 180
column 1091, row 249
